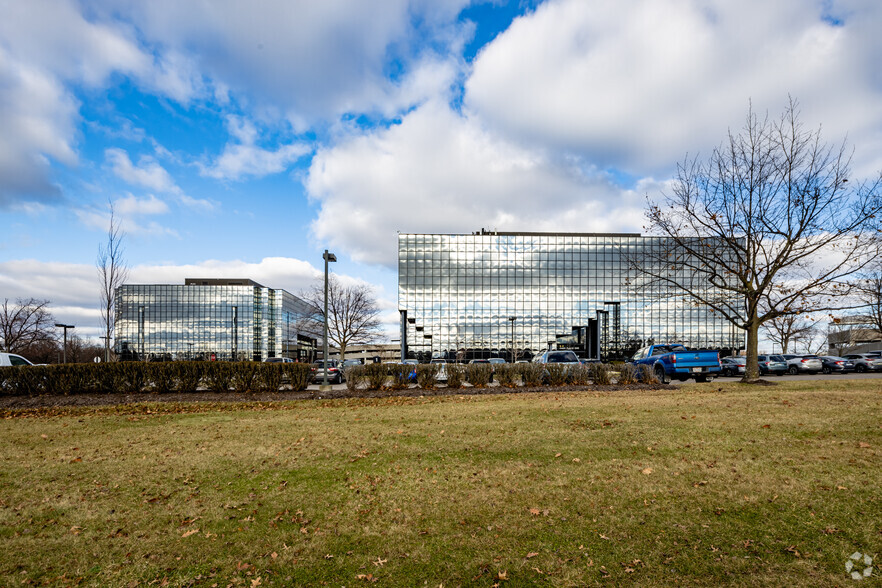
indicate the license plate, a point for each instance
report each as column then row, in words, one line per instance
column 696, row 370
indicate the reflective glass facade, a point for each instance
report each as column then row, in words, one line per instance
column 209, row 322
column 457, row 294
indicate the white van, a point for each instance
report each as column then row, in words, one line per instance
column 8, row 359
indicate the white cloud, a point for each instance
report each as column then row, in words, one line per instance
column 309, row 62
column 314, row 60
column 46, row 47
column 637, row 84
column 36, row 117
column 440, row 172
column 131, row 206
column 245, row 158
column 128, row 210
column 148, row 173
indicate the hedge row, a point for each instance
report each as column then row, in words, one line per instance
column 134, row 376
column 394, row 377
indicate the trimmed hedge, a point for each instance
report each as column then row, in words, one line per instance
column 132, row 377
column 508, row 375
column 479, row 374
column 427, row 375
column 456, row 373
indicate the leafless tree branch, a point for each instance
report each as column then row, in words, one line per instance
column 24, row 324
column 112, row 273
column 769, row 226
column 353, row 314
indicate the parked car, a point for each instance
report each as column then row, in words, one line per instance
column 347, row 363
column 334, row 370
column 673, row 360
column 441, row 376
column 278, row 360
column 865, row 362
column 558, row 356
column 733, row 366
column 839, row 365
column 10, row 359
column 772, row 364
column 803, row 364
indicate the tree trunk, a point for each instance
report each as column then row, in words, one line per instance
column 751, row 368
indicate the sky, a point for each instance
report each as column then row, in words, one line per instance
column 242, row 139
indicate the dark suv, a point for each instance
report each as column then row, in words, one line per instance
column 334, row 368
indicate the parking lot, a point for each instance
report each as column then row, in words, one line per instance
column 804, row 377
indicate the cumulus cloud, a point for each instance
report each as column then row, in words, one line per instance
column 130, row 211
column 36, row 117
column 314, row 60
column 46, row 48
column 148, row 173
column 439, row 171
column 307, row 61
column 638, row 84
column 245, row 158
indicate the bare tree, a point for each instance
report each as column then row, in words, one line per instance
column 353, row 314
column 870, row 294
column 24, row 324
column 112, row 273
column 770, row 225
column 788, row 328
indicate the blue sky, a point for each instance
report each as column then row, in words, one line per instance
column 242, row 139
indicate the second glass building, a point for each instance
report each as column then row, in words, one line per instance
column 210, row 320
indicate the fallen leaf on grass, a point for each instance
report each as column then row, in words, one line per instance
column 647, row 471
column 863, row 445
column 532, row 554
column 190, row 532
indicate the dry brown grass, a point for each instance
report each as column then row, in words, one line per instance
column 705, row 485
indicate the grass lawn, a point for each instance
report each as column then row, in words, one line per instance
column 702, row 485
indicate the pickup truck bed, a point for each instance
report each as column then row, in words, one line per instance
column 674, row 361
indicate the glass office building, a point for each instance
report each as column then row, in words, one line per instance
column 208, row 319
column 502, row 294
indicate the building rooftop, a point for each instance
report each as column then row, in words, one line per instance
column 532, row 234
column 221, row 282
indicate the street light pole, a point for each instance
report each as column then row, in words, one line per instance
column 327, row 257
column 512, row 319
column 65, row 327
column 106, row 347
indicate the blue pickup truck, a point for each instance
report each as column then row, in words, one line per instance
column 674, row 361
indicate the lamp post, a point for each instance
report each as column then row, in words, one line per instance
column 328, row 257
column 513, row 356
column 106, row 348
column 65, row 327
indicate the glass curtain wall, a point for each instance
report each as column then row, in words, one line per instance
column 206, row 323
column 460, row 293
